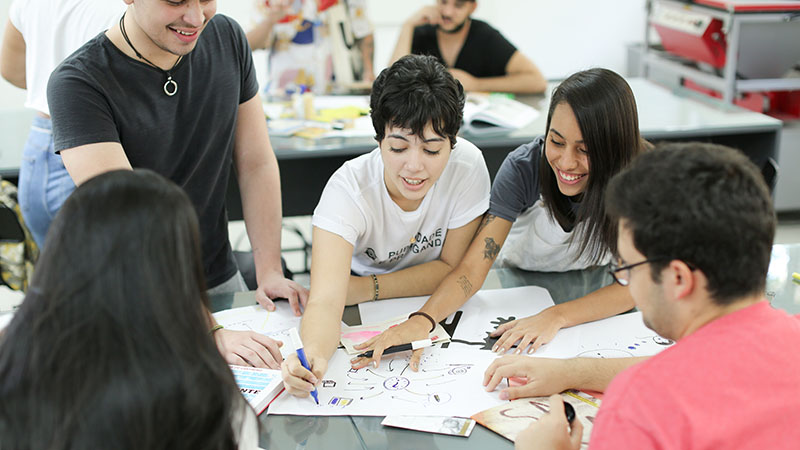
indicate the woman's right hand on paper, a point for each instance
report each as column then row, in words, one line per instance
column 535, row 330
column 413, row 329
column 300, row 381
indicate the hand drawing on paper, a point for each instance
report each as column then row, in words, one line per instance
column 447, row 384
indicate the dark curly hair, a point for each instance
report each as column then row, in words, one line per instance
column 414, row 91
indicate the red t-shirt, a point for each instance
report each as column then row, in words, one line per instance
column 734, row 383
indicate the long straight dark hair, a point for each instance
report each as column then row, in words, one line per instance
column 110, row 348
column 605, row 109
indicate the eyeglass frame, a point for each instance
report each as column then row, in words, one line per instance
column 627, row 281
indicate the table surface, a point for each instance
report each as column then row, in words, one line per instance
column 279, row 432
column 663, row 113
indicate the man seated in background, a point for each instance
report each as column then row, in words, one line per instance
column 476, row 54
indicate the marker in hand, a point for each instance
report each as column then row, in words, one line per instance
column 570, row 412
column 400, row 348
column 301, row 355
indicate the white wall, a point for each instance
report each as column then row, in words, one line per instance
column 561, row 36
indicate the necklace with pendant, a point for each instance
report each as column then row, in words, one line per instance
column 170, row 86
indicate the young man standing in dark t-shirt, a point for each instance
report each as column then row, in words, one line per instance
column 172, row 88
column 476, row 54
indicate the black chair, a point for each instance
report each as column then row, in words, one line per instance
column 770, row 172
column 10, row 228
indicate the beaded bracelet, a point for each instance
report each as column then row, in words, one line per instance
column 425, row 315
column 375, row 284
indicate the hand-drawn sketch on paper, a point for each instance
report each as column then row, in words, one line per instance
column 448, row 383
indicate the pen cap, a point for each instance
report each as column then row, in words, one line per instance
column 295, row 338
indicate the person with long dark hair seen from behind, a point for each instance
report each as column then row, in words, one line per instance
column 547, row 214
column 110, row 348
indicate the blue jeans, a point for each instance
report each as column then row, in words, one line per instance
column 44, row 183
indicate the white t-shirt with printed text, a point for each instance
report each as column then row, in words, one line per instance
column 355, row 205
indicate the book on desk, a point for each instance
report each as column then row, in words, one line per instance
column 258, row 386
column 488, row 113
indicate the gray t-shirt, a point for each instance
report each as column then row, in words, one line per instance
column 98, row 94
column 516, row 185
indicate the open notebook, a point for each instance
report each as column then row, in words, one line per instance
column 495, row 113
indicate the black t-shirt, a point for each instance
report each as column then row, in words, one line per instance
column 98, row 94
column 485, row 52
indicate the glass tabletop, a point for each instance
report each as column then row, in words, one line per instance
column 279, row 432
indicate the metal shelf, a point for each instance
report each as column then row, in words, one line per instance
column 727, row 83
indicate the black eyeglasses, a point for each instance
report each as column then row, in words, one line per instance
column 616, row 271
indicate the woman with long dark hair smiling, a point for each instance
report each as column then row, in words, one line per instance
column 111, row 348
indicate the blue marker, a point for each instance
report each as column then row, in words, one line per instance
column 301, row 354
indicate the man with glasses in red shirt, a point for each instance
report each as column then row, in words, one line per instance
column 696, row 226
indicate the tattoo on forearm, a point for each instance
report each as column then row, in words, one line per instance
column 487, row 219
column 466, row 286
column 491, row 250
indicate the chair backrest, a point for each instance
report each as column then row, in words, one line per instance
column 10, row 229
column 770, row 172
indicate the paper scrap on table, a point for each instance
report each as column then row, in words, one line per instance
column 449, row 383
column 510, row 418
column 355, row 335
column 453, row 426
column 275, row 324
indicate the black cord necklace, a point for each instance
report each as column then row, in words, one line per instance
column 170, row 86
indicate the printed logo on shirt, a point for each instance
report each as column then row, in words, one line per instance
column 419, row 244
column 371, row 253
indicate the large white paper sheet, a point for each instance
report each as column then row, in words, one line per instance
column 449, row 383
column 478, row 317
column 275, row 324
column 616, row 337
